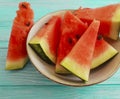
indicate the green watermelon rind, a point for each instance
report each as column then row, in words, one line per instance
column 40, row 52
column 37, row 48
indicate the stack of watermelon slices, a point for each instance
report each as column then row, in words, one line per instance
column 80, row 45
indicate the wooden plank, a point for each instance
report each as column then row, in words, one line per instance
column 60, row 92
column 3, row 45
column 30, row 76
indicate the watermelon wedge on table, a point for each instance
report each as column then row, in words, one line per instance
column 109, row 17
column 17, row 54
column 72, row 29
column 79, row 59
column 45, row 42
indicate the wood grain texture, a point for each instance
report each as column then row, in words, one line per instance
column 59, row 92
column 28, row 83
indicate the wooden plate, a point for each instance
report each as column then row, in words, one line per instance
column 97, row 75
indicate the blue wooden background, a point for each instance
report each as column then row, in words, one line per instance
column 28, row 83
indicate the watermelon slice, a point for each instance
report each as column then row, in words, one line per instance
column 17, row 54
column 78, row 61
column 109, row 17
column 45, row 41
column 103, row 51
column 72, row 29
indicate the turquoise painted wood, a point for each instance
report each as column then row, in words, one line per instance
column 28, row 83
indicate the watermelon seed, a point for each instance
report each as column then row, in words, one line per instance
column 27, row 24
column 46, row 23
column 75, row 14
column 99, row 37
column 70, row 41
column 24, row 6
column 77, row 36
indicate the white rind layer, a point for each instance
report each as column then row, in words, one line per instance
column 77, row 69
column 16, row 64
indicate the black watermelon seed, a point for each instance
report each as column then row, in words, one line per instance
column 24, row 6
column 99, row 37
column 27, row 24
column 46, row 23
column 70, row 41
column 77, row 36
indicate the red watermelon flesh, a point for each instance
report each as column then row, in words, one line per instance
column 79, row 59
column 17, row 54
column 109, row 17
column 45, row 42
column 72, row 29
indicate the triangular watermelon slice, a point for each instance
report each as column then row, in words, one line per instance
column 79, row 60
column 103, row 51
column 45, row 42
column 17, row 54
column 109, row 17
column 72, row 29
